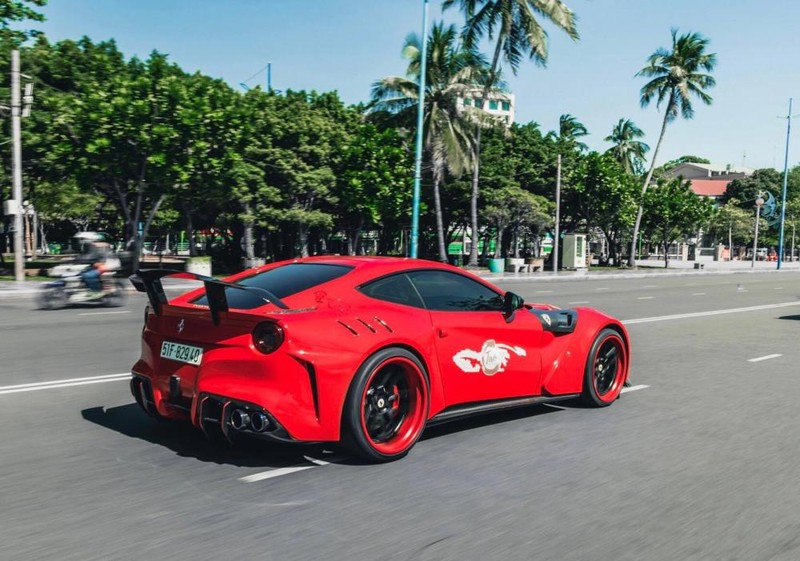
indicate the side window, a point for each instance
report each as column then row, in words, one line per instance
column 396, row 289
column 451, row 292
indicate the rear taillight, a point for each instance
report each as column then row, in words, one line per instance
column 146, row 313
column 267, row 337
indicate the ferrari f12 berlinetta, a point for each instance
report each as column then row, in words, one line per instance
column 362, row 351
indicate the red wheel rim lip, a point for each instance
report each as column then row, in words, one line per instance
column 411, row 427
column 622, row 368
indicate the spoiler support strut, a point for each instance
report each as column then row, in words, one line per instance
column 149, row 282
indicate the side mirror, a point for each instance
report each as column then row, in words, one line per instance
column 511, row 303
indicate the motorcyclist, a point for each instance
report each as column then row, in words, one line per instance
column 102, row 260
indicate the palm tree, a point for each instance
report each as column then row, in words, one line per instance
column 677, row 75
column 627, row 150
column 452, row 71
column 513, row 26
column 570, row 130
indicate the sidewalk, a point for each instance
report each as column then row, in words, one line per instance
column 644, row 268
column 651, row 268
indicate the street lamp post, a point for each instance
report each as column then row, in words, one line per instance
column 759, row 204
column 420, row 120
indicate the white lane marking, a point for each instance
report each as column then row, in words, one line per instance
column 634, row 388
column 699, row 294
column 759, row 359
column 649, row 286
column 645, row 297
column 70, row 380
column 63, row 383
column 711, row 313
column 778, row 288
column 543, row 292
column 103, row 313
column 273, row 473
column 578, row 302
column 280, row 472
column 602, row 288
column 331, row 460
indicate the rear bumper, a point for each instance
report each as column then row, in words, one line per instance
column 211, row 413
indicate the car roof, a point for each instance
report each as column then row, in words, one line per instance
column 368, row 266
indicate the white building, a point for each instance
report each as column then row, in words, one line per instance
column 500, row 104
column 692, row 170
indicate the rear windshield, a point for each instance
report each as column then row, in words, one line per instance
column 282, row 282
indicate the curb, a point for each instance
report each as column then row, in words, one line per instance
column 10, row 289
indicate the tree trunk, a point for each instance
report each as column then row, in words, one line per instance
column 190, row 233
column 357, row 236
column 632, row 256
column 730, row 242
column 302, row 238
column 473, row 203
column 437, row 176
column 498, row 248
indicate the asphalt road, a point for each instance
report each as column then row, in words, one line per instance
column 700, row 461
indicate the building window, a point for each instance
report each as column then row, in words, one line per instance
column 493, row 105
column 467, row 101
column 479, row 103
column 506, row 106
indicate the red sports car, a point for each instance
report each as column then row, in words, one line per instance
column 365, row 351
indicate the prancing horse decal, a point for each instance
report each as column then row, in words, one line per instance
column 491, row 359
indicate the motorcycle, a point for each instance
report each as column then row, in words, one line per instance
column 71, row 289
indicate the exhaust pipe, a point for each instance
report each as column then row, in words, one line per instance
column 259, row 422
column 240, row 419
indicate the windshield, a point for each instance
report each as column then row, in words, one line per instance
column 281, row 281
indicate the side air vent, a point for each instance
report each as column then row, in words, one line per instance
column 383, row 324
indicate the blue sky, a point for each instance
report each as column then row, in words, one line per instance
column 345, row 45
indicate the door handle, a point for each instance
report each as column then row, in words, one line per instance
column 442, row 333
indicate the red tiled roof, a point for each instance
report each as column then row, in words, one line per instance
column 709, row 187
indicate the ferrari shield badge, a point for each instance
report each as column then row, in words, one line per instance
column 491, row 359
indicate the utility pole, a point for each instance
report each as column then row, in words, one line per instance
column 785, row 179
column 16, row 167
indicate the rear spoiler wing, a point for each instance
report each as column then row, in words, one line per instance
column 149, row 282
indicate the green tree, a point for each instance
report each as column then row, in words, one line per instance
column 450, row 74
column 688, row 159
column 513, row 209
column 676, row 76
column 372, row 183
column 95, row 133
column 733, row 224
column 306, row 135
column 13, row 12
column 627, row 149
column 570, row 129
column 791, row 225
column 744, row 191
column 673, row 212
column 603, row 195
column 516, row 32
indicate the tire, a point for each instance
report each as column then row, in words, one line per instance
column 606, row 369
column 52, row 298
column 386, row 407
